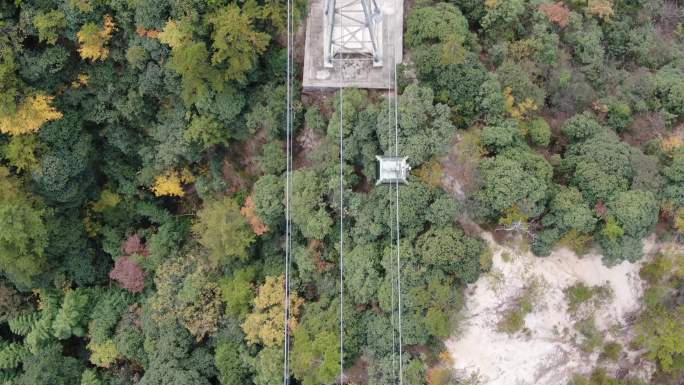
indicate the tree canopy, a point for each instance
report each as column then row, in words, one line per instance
column 142, row 184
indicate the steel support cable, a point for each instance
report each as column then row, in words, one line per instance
column 391, row 223
column 341, row 129
column 288, row 194
column 398, row 233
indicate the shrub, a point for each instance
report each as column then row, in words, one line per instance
column 619, row 116
column 514, row 319
column 315, row 120
column 592, row 337
column 611, row 351
column 579, row 294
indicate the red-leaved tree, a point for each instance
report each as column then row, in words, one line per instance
column 134, row 245
column 128, row 274
column 557, row 13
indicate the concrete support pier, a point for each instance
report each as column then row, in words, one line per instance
column 351, row 71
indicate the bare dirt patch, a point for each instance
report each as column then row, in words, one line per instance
column 645, row 128
column 307, row 143
column 460, row 165
column 236, row 179
column 248, row 152
column 548, row 351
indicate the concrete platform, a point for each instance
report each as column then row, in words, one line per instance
column 350, row 72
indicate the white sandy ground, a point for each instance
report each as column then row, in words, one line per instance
column 549, row 354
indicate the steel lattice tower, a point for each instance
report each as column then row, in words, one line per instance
column 353, row 30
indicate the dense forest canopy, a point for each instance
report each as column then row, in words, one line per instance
column 142, row 183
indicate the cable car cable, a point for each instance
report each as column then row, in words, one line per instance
column 288, row 194
column 398, row 233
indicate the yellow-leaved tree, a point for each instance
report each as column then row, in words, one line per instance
column 94, row 40
column 171, row 183
column 176, row 34
column 35, row 111
column 600, row 8
column 266, row 323
column 671, row 145
column 519, row 111
column 679, row 220
column 103, row 354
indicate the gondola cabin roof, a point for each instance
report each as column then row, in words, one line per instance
column 392, row 169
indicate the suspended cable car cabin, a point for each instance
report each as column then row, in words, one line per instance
column 392, row 170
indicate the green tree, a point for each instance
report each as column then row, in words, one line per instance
column 515, row 178
column 581, row 126
column 173, row 361
column 600, row 377
column 674, row 173
column 230, row 364
column 309, row 212
column 447, row 248
column 89, row 377
column 315, row 120
column 66, row 174
column 501, row 18
column 236, row 44
column 223, row 106
column 268, row 366
column 443, row 50
column 108, row 308
column 623, row 248
column 444, row 210
column 190, row 60
column 316, row 349
column 502, row 136
column 205, row 130
column 23, row 242
column 272, row 158
column 599, row 167
column 21, row 152
column 425, row 128
column 588, row 50
column 238, row 290
column 71, row 317
column 444, row 28
column 11, row 84
column 267, row 111
column 569, row 211
column 522, row 87
column 129, row 339
column 362, row 277
column 49, row 366
column 540, row 133
column 636, row 212
column 269, row 193
column 12, row 355
column 619, row 116
column 660, row 329
column 670, row 90
column 186, row 294
column 49, row 25
column 224, row 231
